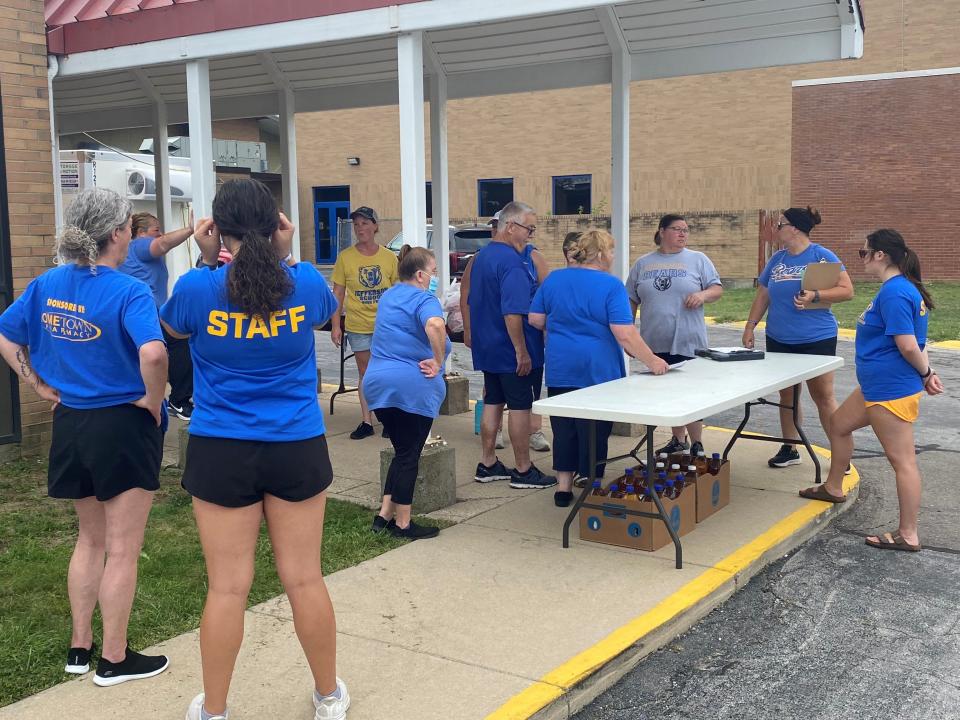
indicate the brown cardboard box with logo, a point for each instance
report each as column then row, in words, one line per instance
column 613, row 527
column 713, row 492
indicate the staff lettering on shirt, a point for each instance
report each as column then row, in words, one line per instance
column 220, row 321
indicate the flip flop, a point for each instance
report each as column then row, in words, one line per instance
column 819, row 492
column 892, row 541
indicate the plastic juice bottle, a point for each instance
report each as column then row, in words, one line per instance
column 713, row 466
column 670, row 490
column 660, row 467
column 663, row 457
column 691, row 476
column 598, row 489
column 685, row 459
column 675, row 468
column 631, row 492
column 644, row 482
column 658, row 489
column 701, row 463
column 628, row 476
column 615, row 491
column 680, row 481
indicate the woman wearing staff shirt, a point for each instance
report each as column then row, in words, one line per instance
column 586, row 315
column 146, row 261
column 87, row 339
column 672, row 284
column 404, row 383
column 257, row 447
column 794, row 327
column 893, row 370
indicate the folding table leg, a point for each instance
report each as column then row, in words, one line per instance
column 740, row 427
column 803, row 435
column 587, row 488
column 343, row 361
column 656, row 501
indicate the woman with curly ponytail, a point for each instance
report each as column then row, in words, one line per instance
column 257, row 447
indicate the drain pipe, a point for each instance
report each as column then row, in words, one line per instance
column 53, row 67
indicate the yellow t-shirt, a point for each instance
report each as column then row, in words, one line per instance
column 365, row 278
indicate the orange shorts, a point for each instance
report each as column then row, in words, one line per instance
column 906, row 408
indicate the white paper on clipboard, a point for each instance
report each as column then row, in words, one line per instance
column 647, row 371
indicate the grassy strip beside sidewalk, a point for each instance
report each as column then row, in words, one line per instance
column 944, row 320
column 37, row 535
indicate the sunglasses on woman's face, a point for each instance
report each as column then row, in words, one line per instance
column 864, row 252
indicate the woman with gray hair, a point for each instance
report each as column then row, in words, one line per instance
column 87, row 339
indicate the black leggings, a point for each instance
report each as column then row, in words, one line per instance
column 408, row 432
column 180, row 369
column 571, row 441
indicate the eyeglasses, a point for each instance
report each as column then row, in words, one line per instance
column 783, row 224
column 863, row 252
column 680, row 230
column 530, row 230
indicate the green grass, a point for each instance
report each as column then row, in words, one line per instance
column 36, row 539
column 944, row 320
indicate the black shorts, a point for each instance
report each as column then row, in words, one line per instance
column 512, row 390
column 102, row 452
column 238, row 473
column 671, row 359
column 820, row 347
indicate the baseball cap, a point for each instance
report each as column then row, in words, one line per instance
column 494, row 219
column 366, row 212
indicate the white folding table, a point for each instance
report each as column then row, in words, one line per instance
column 697, row 390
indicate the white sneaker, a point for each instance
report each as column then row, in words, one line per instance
column 331, row 708
column 539, row 442
column 500, row 445
column 193, row 712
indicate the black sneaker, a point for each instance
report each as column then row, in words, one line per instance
column 497, row 471
column 78, row 660
column 181, row 411
column 675, row 446
column 786, row 457
column 532, row 479
column 379, row 524
column 133, row 667
column 562, row 498
column 364, row 430
column 414, row 531
column 696, row 448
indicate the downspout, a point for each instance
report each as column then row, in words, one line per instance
column 53, row 67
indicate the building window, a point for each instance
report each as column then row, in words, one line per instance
column 429, row 200
column 331, row 193
column 571, row 194
column 493, row 195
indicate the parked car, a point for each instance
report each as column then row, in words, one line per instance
column 465, row 242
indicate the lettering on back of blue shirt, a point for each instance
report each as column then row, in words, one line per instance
column 242, row 326
column 68, row 325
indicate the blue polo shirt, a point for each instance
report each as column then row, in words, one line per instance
column 783, row 277
column 898, row 309
column 254, row 379
column 580, row 306
column 84, row 332
column 500, row 285
column 142, row 265
column 393, row 378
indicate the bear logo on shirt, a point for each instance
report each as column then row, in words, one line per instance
column 663, row 282
column 370, row 276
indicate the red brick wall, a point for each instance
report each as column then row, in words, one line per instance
column 26, row 131
column 878, row 154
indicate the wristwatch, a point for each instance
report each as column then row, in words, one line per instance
column 816, row 296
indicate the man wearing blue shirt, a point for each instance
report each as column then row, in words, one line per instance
column 506, row 348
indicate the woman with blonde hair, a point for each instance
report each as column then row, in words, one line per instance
column 586, row 314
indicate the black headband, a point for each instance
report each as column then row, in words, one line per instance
column 800, row 218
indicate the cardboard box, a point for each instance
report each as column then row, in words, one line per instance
column 713, row 492
column 613, row 527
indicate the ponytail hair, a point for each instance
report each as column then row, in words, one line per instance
column 256, row 281
column 891, row 243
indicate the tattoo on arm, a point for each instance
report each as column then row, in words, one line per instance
column 26, row 370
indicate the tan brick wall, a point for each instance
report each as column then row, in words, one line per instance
column 26, row 131
column 697, row 143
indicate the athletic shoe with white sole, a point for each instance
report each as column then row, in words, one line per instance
column 333, row 707
column 785, row 457
column 184, row 412
column 193, row 711
column 532, row 479
column 78, row 660
column 133, row 667
column 497, row 471
column 539, row 442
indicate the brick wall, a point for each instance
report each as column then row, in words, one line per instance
column 882, row 154
column 26, row 131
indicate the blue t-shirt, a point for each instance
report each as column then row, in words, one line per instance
column 84, row 332
column 783, row 277
column 253, row 379
column 580, row 306
column 142, row 265
column 393, row 378
column 898, row 309
column 500, row 285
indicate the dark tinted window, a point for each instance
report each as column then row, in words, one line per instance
column 493, row 195
column 469, row 241
column 571, row 195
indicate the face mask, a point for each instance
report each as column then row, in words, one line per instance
column 434, row 283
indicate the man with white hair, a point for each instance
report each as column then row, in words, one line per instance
column 506, row 348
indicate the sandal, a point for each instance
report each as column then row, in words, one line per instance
column 819, row 492
column 892, row 541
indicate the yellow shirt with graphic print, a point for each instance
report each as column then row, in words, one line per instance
column 366, row 278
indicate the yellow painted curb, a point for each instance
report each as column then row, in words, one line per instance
column 558, row 681
column 945, row 344
column 841, row 332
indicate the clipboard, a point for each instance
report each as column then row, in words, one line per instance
column 820, row 276
column 729, row 355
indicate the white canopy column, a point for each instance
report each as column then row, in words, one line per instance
column 412, row 151
column 619, row 140
column 439, row 185
column 288, row 146
column 203, row 180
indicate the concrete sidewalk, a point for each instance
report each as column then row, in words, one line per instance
column 493, row 618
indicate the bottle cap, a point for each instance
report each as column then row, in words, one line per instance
column 701, row 453
column 658, row 487
column 662, row 475
column 660, row 465
column 675, row 466
column 630, row 489
column 692, row 468
column 596, row 483
column 716, row 456
column 628, row 472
